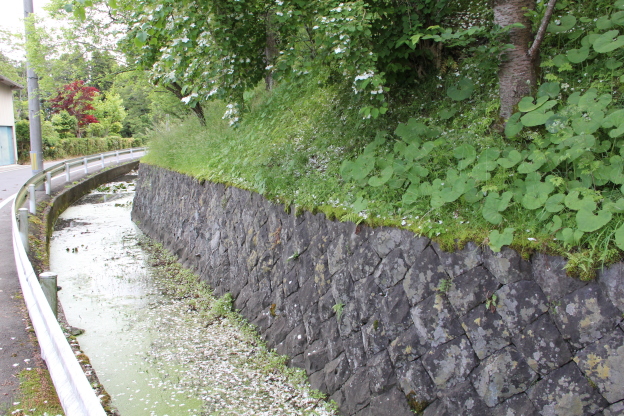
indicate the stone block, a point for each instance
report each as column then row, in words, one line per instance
column 415, row 382
column 518, row 405
column 326, row 306
column 611, row 280
column 356, row 391
column 471, row 288
column 549, row 273
column 312, row 324
column 385, row 239
column 368, row 297
column 374, row 336
column 395, row 311
column 342, row 287
column 585, row 315
column 317, row 381
column 616, row 409
column 486, row 331
column 277, row 332
column 502, row 375
column 407, row 347
column 412, row 246
column 460, row 400
column 331, row 335
column 460, row 261
column 362, row 262
column 449, row 364
column 294, row 343
column 566, row 392
column 520, row 303
column 542, row 345
column 391, row 270
column 337, row 254
column 603, row 363
column 349, row 320
column 337, row 373
column 381, row 373
column 507, row 266
column 315, row 357
column 354, row 349
column 423, row 278
column 390, row 403
column 435, row 320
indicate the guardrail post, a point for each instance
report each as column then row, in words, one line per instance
column 48, row 183
column 86, row 166
column 48, row 282
column 22, row 220
column 102, row 159
column 130, row 151
column 32, row 199
column 67, row 172
column 117, row 156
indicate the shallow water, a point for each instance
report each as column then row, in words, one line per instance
column 107, row 290
column 152, row 354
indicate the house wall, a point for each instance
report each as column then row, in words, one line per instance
column 7, row 117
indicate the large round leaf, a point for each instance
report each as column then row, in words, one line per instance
column 619, row 237
column 567, row 22
column 498, row 240
column 573, row 201
column 526, row 104
column 608, row 41
column 513, row 126
column 549, row 89
column 586, row 221
column 554, row 203
column 462, row 90
column 383, row 177
column 576, row 56
column 512, row 159
column 465, row 151
column 536, row 118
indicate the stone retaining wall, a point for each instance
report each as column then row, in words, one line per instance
column 385, row 322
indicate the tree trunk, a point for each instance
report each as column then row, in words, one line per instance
column 197, row 109
column 517, row 71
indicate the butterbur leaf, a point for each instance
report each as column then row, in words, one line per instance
column 461, row 91
column 592, row 102
column 554, row 203
column 498, row 240
column 411, row 131
column 536, row 118
column 472, row 195
column 589, row 123
column 383, row 177
column 412, row 194
column 526, row 104
column 513, row 126
column 567, row 22
column 512, row 159
column 604, row 23
column 617, row 206
column 465, row 151
column 619, row 4
column 569, row 236
column 576, row 56
column 360, row 204
column 549, row 89
column 618, row 236
column 608, row 41
column 613, row 63
column 573, row 202
column 446, row 114
column 618, row 19
column 556, row 123
column 528, row 167
column 586, row 221
column 495, row 204
column 555, row 225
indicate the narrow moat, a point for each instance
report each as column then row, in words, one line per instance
column 152, row 354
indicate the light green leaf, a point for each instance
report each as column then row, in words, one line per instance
column 576, row 56
column 549, row 89
column 465, row 151
column 498, row 240
column 535, row 118
column 461, row 91
column 604, row 23
column 555, row 225
column 586, row 221
column 513, row 158
column 513, row 126
column 526, row 104
column 569, row 236
column 412, row 194
column 619, row 237
column 573, row 202
column 528, row 167
column 554, row 203
column 608, row 42
column 384, row 177
column 567, row 22
column 618, row 18
column 446, row 114
column 411, row 131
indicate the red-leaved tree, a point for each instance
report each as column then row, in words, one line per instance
column 76, row 99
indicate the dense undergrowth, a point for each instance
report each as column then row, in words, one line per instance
column 437, row 163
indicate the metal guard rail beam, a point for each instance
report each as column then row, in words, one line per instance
column 75, row 393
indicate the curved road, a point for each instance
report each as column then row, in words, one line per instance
column 17, row 352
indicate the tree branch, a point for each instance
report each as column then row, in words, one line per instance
column 541, row 32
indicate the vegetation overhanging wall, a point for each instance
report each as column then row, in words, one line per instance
column 384, row 321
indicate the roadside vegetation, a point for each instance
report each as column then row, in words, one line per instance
column 439, row 162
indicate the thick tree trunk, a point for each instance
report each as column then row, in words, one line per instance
column 517, row 73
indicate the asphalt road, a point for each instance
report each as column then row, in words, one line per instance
column 16, row 350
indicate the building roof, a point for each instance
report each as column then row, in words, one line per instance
column 11, row 84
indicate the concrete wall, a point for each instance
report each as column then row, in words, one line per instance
column 367, row 314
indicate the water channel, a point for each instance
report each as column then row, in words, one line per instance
column 151, row 354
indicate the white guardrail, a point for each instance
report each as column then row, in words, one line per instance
column 73, row 389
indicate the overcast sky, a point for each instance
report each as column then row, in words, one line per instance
column 12, row 15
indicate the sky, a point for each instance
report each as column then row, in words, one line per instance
column 12, row 17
